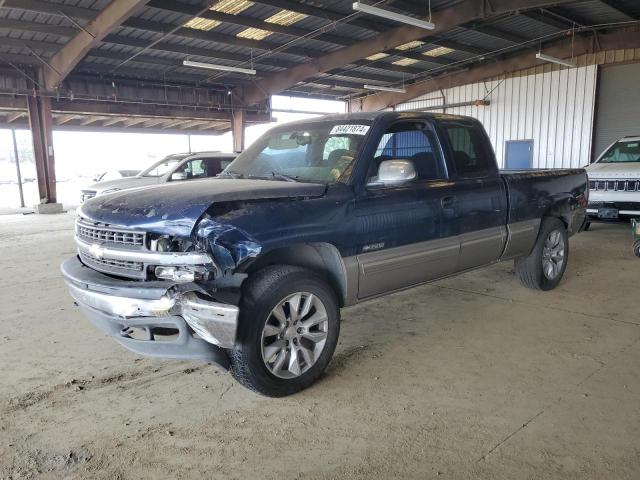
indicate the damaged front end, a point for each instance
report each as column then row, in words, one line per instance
column 162, row 295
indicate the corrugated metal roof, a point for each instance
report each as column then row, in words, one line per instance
column 301, row 47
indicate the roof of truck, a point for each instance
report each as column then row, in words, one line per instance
column 371, row 116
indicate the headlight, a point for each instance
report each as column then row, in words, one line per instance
column 181, row 274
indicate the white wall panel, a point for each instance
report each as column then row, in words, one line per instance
column 552, row 106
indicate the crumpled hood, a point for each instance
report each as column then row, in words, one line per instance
column 122, row 183
column 614, row 170
column 174, row 208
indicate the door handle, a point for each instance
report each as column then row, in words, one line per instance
column 449, row 202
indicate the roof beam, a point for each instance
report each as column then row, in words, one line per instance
column 112, row 121
column 547, row 19
column 460, row 14
column 134, row 121
column 63, row 62
column 12, row 117
column 90, row 120
column 621, row 39
column 623, row 9
column 122, row 109
column 499, row 34
column 40, row 6
column 62, row 119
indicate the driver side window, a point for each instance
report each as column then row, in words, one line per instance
column 192, row 169
column 410, row 141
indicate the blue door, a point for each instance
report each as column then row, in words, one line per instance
column 519, row 155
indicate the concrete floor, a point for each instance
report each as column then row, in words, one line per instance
column 472, row 377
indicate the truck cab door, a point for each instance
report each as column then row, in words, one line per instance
column 479, row 198
column 404, row 236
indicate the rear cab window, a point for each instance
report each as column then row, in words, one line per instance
column 471, row 152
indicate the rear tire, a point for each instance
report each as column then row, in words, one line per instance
column 544, row 267
column 636, row 248
column 288, row 330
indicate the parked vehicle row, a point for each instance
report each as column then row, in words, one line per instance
column 249, row 270
column 176, row 167
column 614, row 181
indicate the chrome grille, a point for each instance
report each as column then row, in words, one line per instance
column 92, row 233
column 117, row 267
column 615, row 185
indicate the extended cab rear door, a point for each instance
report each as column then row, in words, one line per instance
column 478, row 201
column 404, row 236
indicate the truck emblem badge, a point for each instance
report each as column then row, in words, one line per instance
column 96, row 251
column 373, row 246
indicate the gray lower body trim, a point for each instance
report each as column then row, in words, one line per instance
column 399, row 267
column 481, row 247
column 521, row 237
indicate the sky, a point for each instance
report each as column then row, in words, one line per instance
column 80, row 156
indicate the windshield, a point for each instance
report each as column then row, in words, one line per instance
column 160, row 168
column 622, row 152
column 315, row 153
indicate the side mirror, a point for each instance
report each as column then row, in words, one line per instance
column 394, row 172
column 178, row 176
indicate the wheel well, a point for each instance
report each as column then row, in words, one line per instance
column 322, row 258
column 562, row 211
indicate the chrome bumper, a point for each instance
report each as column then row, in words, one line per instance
column 115, row 306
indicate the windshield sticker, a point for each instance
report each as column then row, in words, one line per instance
column 349, row 130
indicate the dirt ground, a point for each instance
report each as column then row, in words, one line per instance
column 471, row 377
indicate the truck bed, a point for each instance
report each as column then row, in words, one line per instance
column 529, row 197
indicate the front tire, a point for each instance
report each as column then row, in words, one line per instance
column 544, row 267
column 288, row 330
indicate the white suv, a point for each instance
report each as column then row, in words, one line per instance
column 614, row 181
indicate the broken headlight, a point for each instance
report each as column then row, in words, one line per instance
column 183, row 273
column 179, row 273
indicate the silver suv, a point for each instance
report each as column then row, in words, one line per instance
column 614, row 181
column 179, row 166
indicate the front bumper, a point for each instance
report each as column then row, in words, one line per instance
column 624, row 209
column 199, row 329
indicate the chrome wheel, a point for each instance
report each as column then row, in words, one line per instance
column 553, row 254
column 294, row 335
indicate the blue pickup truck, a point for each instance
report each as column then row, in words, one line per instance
column 250, row 270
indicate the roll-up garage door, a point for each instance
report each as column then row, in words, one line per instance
column 618, row 110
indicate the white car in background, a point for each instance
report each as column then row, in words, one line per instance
column 614, row 181
column 179, row 166
column 115, row 174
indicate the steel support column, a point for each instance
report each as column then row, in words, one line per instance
column 40, row 122
column 238, row 124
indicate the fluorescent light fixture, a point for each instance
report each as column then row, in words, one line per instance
column 385, row 89
column 559, row 61
column 397, row 17
column 212, row 66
